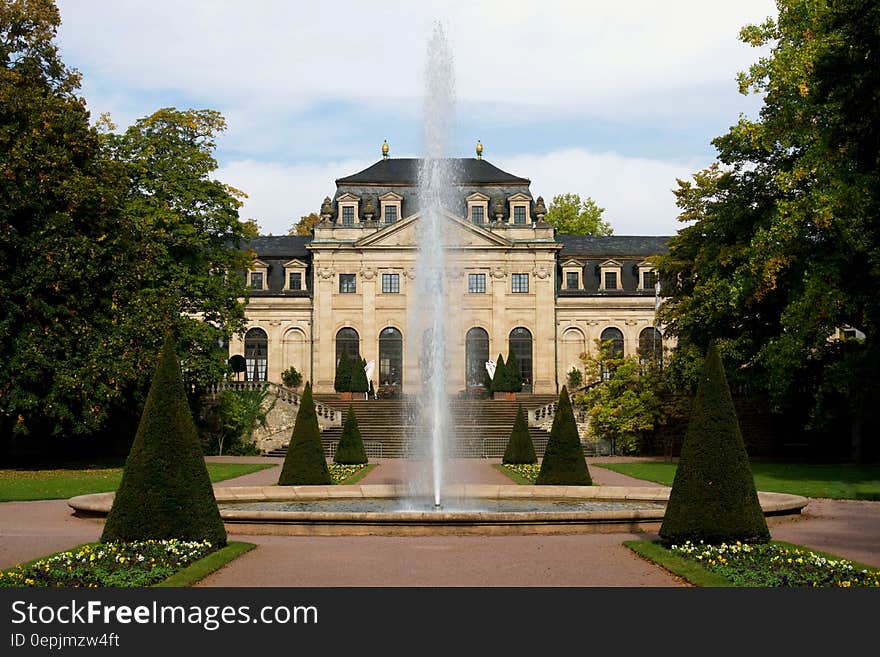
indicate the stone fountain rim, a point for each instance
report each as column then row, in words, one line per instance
column 771, row 504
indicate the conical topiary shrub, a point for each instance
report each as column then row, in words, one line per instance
column 350, row 450
column 514, row 376
column 499, row 379
column 564, row 463
column 342, row 382
column 713, row 497
column 165, row 490
column 359, row 381
column 305, row 464
column 520, row 448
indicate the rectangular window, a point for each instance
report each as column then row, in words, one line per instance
column 520, row 282
column 390, row 214
column 390, row 283
column 347, row 284
column 610, row 280
column 649, row 278
column 519, row 214
column 295, row 280
column 348, row 215
column 257, row 280
column 477, row 283
column 477, row 214
column 571, row 280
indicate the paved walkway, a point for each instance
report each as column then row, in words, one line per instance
column 848, row 528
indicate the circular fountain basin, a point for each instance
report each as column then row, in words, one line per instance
column 467, row 509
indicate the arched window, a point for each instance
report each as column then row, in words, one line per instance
column 520, row 343
column 476, row 354
column 651, row 347
column 256, row 354
column 390, row 357
column 348, row 341
column 615, row 337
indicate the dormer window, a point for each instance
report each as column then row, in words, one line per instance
column 571, row 274
column 610, row 278
column 295, row 275
column 389, row 208
column 258, row 276
column 647, row 276
column 478, row 208
column 348, row 209
column 519, row 209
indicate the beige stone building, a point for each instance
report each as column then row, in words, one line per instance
column 513, row 285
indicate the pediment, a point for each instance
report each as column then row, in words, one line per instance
column 611, row 263
column 259, row 264
column 571, row 262
column 459, row 233
column 390, row 196
column 348, row 196
column 644, row 264
column 295, row 264
column 519, row 196
column 477, row 196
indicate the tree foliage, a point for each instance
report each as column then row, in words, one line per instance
column 342, row 382
column 520, row 448
column 713, row 497
column 305, row 225
column 783, row 242
column 359, row 381
column 165, row 490
column 572, row 216
column 627, row 404
column 106, row 242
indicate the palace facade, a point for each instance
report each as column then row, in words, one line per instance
column 513, row 283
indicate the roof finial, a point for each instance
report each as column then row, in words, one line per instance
column 385, row 150
column 479, row 150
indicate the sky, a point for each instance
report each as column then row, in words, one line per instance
column 614, row 101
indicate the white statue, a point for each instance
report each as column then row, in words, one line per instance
column 490, row 368
column 369, row 371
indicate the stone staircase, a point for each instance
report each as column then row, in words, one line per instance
column 479, row 428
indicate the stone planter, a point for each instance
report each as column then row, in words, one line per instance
column 506, row 396
column 345, row 396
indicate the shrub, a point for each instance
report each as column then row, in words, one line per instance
column 342, row 383
column 291, row 377
column 350, row 450
column 305, row 464
column 359, row 381
column 519, row 446
column 563, row 463
column 575, row 378
column 232, row 421
column 514, row 376
column 499, row 380
column 237, row 364
column 165, row 490
column 487, row 381
column 713, row 497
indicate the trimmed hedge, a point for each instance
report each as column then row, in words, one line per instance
column 564, row 463
column 713, row 497
column 499, row 379
column 305, row 464
column 514, row 376
column 350, row 450
column 520, row 448
column 359, row 381
column 165, row 490
column 342, row 382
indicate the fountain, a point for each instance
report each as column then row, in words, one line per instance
column 430, row 311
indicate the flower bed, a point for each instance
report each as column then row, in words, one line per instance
column 776, row 565
column 340, row 473
column 522, row 473
column 97, row 565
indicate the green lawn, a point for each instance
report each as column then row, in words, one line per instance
column 69, row 480
column 835, row 481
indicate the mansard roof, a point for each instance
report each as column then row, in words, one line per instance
column 639, row 246
column 405, row 171
column 280, row 246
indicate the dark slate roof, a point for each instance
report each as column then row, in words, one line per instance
column 285, row 246
column 405, row 171
column 615, row 245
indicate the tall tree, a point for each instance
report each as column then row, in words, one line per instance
column 572, row 216
column 58, row 203
column 784, row 246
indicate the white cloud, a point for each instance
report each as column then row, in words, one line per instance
column 635, row 192
column 279, row 194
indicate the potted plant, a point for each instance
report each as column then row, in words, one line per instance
column 291, row 377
